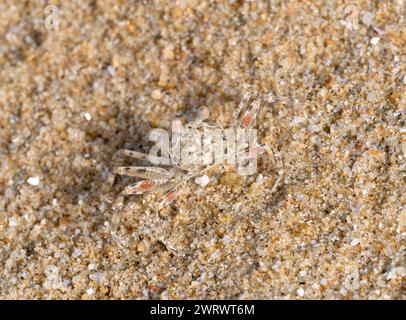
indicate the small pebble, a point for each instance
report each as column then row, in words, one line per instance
column 168, row 53
column 76, row 253
column 12, row 222
column 374, row 41
column 347, row 171
column 371, row 96
column 354, row 242
column 111, row 70
column 87, row 116
column 34, row 181
column 156, row 94
column 202, row 181
column 367, row 18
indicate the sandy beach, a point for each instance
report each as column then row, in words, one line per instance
column 80, row 80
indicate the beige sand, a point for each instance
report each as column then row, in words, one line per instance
column 71, row 97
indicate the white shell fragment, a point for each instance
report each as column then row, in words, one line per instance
column 34, row 181
column 202, row 181
column 374, row 41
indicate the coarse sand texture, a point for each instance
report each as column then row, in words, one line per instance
column 80, row 80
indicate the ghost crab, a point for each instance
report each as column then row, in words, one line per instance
column 169, row 173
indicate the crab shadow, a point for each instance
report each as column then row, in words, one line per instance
column 84, row 183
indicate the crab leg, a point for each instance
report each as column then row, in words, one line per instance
column 249, row 115
column 147, row 186
column 144, row 172
column 117, row 157
column 141, row 156
column 241, row 107
column 170, row 196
